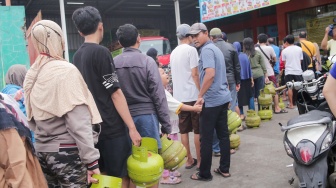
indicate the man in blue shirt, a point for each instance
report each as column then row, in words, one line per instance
column 215, row 96
column 276, row 49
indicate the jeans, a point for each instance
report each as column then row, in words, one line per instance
column 251, row 106
column 233, row 92
column 148, row 126
column 259, row 84
column 214, row 118
column 215, row 143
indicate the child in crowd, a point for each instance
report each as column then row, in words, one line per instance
column 172, row 177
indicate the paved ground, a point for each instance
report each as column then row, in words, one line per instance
column 260, row 161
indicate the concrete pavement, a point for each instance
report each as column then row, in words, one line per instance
column 260, row 161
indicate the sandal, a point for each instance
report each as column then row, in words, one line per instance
column 218, row 171
column 175, row 173
column 283, row 111
column 192, row 165
column 232, row 151
column 170, row 181
column 196, row 176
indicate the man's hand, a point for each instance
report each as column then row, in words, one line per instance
column 200, row 101
column 90, row 173
column 252, row 83
column 327, row 29
column 237, row 87
column 266, row 79
column 135, row 137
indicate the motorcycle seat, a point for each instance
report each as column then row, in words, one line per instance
column 312, row 117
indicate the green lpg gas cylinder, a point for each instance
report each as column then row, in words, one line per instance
column 173, row 153
column 234, row 141
column 145, row 165
column 269, row 88
column 264, row 99
column 252, row 119
column 281, row 103
column 234, row 121
column 265, row 114
column 106, row 181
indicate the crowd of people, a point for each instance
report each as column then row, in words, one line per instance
column 84, row 117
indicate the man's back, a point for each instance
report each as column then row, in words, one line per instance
column 182, row 60
column 292, row 55
column 231, row 61
column 96, row 66
column 308, row 47
column 269, row 52
column 141, row 84
column 277, row 55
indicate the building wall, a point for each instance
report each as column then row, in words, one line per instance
column 255, row 21
column 13, row 48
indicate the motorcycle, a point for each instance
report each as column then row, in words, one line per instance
column 327, row 63
column 310, row 137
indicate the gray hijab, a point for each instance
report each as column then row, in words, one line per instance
column 16, row 75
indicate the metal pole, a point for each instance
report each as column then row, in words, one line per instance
column 177, row 15
column 61, row 2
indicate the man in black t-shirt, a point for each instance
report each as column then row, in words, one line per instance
column 96, row 65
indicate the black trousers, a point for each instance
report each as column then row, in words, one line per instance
column 214, row 118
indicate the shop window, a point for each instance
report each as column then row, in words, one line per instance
column 297, row 20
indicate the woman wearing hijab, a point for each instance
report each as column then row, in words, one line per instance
column 258, row 67
column 19, row 167
column 245, row 92
column 61, row 111
column 14, row 83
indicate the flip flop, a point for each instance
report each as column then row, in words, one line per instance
column 218, row 171
column 192, row 165
column 171, row 181
column 282, row 111
column 199, row 178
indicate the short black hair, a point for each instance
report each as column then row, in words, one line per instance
column 86, row 19
column 303, row 34
column 127, row 35
column 290, row 39
column 284, row 40
column 262, row 38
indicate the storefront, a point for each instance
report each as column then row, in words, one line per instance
column 280, row 20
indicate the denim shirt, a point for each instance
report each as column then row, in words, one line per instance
column 211, row 57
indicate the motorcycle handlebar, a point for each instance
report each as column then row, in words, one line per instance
column 300, row 84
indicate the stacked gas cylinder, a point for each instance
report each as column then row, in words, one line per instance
column 265, row 101
column 145, row 165
column 234, row 122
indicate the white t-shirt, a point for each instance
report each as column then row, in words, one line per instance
column 269, row 51
column 332, row 46
column 293, row 56
column 182, row 60
column 174, row 107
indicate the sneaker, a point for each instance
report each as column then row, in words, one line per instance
column 216, row 154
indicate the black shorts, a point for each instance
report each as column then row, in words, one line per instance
column 291, row 77
column 114, row 154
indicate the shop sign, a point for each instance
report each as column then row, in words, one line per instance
column 216, row 9
column 316, row 28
